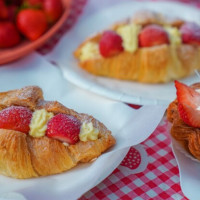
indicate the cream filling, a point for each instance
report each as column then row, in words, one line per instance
column 38, row 123
column 129, row 34
column 89, row 51
column 174, row 35
column 88, row 132
column 38, row 127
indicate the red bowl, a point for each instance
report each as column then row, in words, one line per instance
column 25, row 47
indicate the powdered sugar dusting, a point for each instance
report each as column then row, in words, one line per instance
column 15, row 118
column 26, row 94
column 64, row 127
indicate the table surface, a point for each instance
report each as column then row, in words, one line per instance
column 160, row 178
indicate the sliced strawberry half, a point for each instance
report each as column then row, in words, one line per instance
column 187, row 95
column 65, row 128
column 110, row 44
column 188, row 104
column 16, row 118
column 153, row 35
column 190, row 33
column 189, row 115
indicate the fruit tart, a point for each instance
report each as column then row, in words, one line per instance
column 149, row 48
column 40, row 138
column 184, row 114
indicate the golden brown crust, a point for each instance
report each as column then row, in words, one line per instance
column 158, row 64
column 49, row 156
column 22, row 156
column 188, row 136
column 15, row 158
column 27, row 96
column 149, row 65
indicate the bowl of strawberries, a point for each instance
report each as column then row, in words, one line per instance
column 27, row 24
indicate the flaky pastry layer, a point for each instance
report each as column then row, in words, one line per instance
column 23, row 156
column 189, row 137
column 157, row 64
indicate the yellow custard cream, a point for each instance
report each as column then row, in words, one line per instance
column 89, row 51
column 174, row 35
column 39, row 121
column 88, row 132
column 129, row 34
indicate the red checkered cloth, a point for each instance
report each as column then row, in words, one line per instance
column 160, row 179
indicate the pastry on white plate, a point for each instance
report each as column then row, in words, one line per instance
column 184, row 114
column 40, row 138
column 149, row 48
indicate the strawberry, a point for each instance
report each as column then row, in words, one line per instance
column 32, row 23
column 9, row 35
column 3, row 10
column 64, row 127
column 14, row 2
column 152, row 35
column 12, row 10
column 110, row 44
column 53, row 10
column 16, row 118
column 188, row 104
column 37, row 3
column 187, row 95
column 190, row 33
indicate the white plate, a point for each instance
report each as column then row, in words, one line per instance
column 120, row 119
column 130, row 92
column 189, row 173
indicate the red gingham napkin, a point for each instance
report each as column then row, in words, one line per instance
column 160, row 179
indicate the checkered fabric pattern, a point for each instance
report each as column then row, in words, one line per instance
column 160, row 180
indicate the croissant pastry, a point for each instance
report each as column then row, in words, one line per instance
column 183, row 113
column 149, row 48
column 40, row 138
